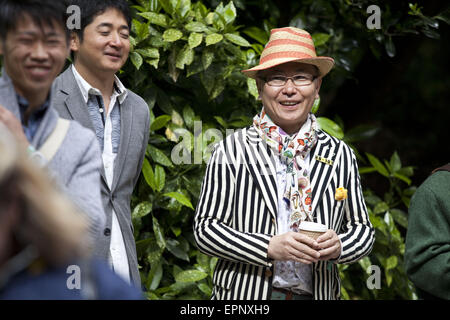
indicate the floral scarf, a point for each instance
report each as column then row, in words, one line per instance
column 293, row 150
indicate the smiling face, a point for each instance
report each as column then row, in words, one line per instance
column 105, row 45
column 288, row 106
column 34, row 56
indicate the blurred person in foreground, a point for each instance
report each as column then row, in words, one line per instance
column 34, row 45
column 42, row 243
column 427, row 246
column 263, row 182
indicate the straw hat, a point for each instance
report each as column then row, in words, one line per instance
column 290, row 44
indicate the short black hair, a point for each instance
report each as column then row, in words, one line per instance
column 90, row 9
column 43, row 12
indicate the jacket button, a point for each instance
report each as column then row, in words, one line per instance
column 107, row 232
column 268, row 273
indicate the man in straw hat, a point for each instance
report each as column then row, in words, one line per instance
column 263, row 181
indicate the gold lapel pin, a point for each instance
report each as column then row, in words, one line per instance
column 325, row 160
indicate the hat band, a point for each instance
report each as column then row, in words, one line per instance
column 281, row 55
column 289, row 42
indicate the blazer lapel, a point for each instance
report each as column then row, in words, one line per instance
column 322, row 172
column 76, row 106
column 259, row 161
column 74, row 101
column 126, row 125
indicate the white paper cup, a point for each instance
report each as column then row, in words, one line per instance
column 312, row 229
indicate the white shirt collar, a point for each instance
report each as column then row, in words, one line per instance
column 87, row 89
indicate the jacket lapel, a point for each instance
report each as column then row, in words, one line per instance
column 74, row 101
column 322, row 168
column 259, row 161
column 76, row 106
column 126, row 125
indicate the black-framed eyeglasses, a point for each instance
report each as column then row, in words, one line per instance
column 280, row 80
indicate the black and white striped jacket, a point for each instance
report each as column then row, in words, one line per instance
column 237, row 214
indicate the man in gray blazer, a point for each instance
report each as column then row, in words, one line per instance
column 89, row 92
column 34, row 51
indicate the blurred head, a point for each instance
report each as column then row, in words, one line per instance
column 287, row 92
column 34, row 43
column 33, row 212
column 102, row 44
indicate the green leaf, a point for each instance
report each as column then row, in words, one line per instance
column 252, row 87
column 155, row 18
column 177, row 119
column 236, row 39
column 221, row 121
column 149, row 176
column 380, row 207
column 142, row 30
column 195, row 39
column 158, row 156
column 196, row 26
column 391, row 262
column 148, row 52
column 400, row 217
column 390, row 48
column 190, row 276
column 213, row 38
column 154, row 252
column 174, row 247
column 217, row 89
column 171, row 35
column 229, row 13
column 184, row 57
column 395, row 162
column 159, row 234
column 188, row 116
column 363, row 170
column 316, row 106
column 142, row 209
column 176, row 230
column 160, row 178
column 168, row 6
column 320, row 39
column 183, row 7
column 360, row 132
column 330, row 127
column 207, row 290
column 372, row 199
column 203, row 261
column 155, row 275
column 406, row 171
column 181, row 198
column 160, row 122
column 377, row 165
column 176, row 270
column 136, row 59
column 257, row 34
column 403, row 178
column 207, row 58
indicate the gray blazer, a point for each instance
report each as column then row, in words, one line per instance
column 76, row 164
column 135, row 125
